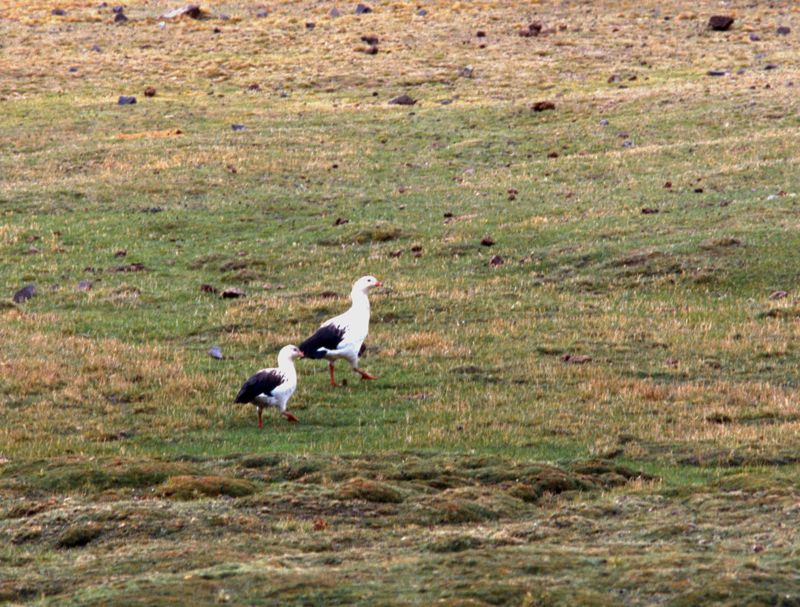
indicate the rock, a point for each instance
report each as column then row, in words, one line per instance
column 720, row 23
column 613, row 78
column 238, row 127
column 362, row 9
column 777, row 295
column 150, row 92
column 543, row 106
column 126, row 100
column 131, row 267
column 340, row 221
column 754, row 37
column 531, row 30
column 417, row 248
column 480, row 34
column 117, row 9
column 58, row 12
column 310, row 25
column 204, row 288
column 190, row 10
column 215, row 352
column 154, row 210
column 667, row 185
column 96, row 49
column 603, row 122
column 649, row 211
column 466, row 72
column 25, row 293
column 261, row 13
column 783, row 30
column 580, row 359
column 120, row 18
column 335, row 13
column 372, row 40
column 403, row 100
column 770, row 66
column 716, row 73
column 698, row 190
column 487, row 241
column 552, row 155
column 254, row 87
column 371, row 50
column 627, row 143
column 496, row 260
column 85, row 285
column 232, row 293
column 422, row 12
column 72, row 70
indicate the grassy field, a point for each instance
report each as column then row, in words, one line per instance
column 599, row 408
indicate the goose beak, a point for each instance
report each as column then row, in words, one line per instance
column 378, row 283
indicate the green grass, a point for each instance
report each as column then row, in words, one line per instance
column 669, row 457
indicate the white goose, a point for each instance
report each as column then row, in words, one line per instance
column 273, row 387
column 343, row 336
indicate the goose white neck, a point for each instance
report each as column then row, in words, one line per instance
column 360, row 299
column 286, row 364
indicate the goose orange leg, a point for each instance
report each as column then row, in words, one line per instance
column 260, row 422
column 364, row 374
column 330, row 368
column 290, row 417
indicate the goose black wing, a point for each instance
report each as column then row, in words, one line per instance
column 328, row 337
column 263, row 382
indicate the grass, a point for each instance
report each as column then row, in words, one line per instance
column 482, row 468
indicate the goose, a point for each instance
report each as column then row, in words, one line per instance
column 343, row 336
column 273, row 387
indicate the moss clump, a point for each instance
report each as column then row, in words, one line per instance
column 194, row 487
column 371, row 491
column 78, row 535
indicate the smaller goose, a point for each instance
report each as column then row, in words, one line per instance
column 273, row 387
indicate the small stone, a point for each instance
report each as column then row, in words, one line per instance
column 613, row 78
column 698, row 190
column 371, row 50
column 120, row 18
column 603, row 122
column 649, row 211
column 667, row 185
column 96, row 49
column 552, row 155
column 117, row 9
column 340, row 221
column 543, row 106
column 403, row 100
column 261, row 13
column 496, row 260
column 72, row 70
column 777, row 295
column 58, row 12
column 480, row 34
column 310, row 25
column 783, row 30
column 232, row 293
column 85, row 285
column 204, row 288
column 770, row 66
column 466, row 72
column 417, row 248
column 754, row 37
column 335, row 12
column 487, row 241
column 716, row 73
column 627, row 143
column 150, row 92
column 373, row 40
column 254, row 87
column 532, row 30
column 720, row 23
column 25, row 293
column 238, row 127
column 362, row 9
column 126, row 100
column 422, row 12
column 215, row 352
